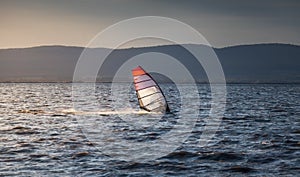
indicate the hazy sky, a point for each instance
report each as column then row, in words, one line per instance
column 27, row 23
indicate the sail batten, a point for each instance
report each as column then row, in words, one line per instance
column 150, row 96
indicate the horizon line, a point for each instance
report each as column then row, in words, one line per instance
column 137, row 47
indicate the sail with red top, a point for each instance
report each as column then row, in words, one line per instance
column 149, row 94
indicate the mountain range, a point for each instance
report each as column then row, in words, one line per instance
column 257, row 63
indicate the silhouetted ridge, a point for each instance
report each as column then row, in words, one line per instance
column 258, row 63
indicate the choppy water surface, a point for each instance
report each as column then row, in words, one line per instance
column 40, row 133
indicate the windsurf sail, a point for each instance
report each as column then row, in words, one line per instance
column 150, row 96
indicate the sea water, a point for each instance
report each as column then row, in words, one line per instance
column 42, row 132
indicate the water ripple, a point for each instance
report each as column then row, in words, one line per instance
column 259, row 134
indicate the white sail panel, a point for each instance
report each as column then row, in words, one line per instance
column 159, row 106
column 148, row 91
column 142, row 85
column 152, row 98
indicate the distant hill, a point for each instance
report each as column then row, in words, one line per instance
column 270, row 63
column 260, row 63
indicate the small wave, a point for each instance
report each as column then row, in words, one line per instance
column 181, row 155
column 80, row 154
column 32, row 111
column 38, row 155
column 223, row 156
column 18, row 127
column 238, row 168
